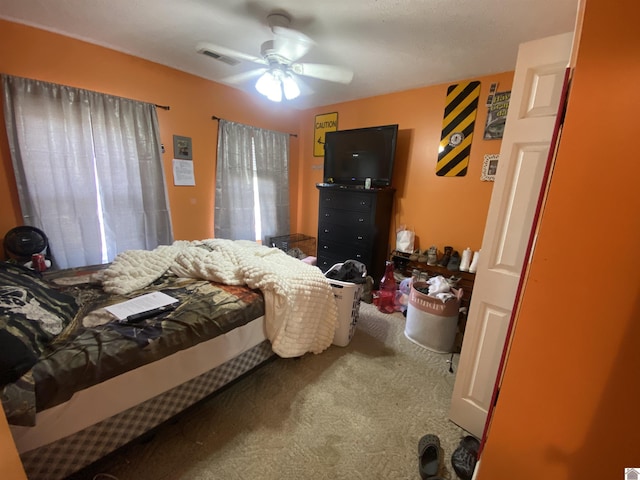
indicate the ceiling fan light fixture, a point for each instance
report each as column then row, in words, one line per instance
column 275, row 82
column 270, row 86
column 290, row 87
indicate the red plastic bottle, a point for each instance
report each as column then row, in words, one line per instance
column 387, row 292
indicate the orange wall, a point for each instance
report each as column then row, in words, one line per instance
column 34, row 53
column 442, row 210
column 10, row 465
column 568, row 408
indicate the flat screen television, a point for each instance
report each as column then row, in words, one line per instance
column 352, row 156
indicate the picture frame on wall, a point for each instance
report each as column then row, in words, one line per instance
column 489, row 168
column 182, row 148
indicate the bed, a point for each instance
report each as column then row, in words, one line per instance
column 78, row 384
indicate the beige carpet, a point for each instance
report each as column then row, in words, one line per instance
column 354, row 412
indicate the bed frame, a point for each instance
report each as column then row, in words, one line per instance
column 103, row 418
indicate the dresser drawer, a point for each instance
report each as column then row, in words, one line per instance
column 363, row 236
column 347, row 218
column 325, row 262
column 344, row 251
column 346, row 200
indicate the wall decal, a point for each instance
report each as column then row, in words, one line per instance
column 457, row 129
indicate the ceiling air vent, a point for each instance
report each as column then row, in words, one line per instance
column 218, row 56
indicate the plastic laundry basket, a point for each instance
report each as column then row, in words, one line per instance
column 347, row 296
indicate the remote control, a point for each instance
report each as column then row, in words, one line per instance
column 138, row 317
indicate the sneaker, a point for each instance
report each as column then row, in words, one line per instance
column 432, row 255
column 454, row 262
column 444, row 261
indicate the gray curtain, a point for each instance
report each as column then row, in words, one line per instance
column 252, row 183
column 88, row 169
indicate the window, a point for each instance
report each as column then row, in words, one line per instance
column 252, row 183
column 88, row 170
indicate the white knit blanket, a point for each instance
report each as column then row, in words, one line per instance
column 301, row 312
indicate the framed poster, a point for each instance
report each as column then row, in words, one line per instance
column 327, row 122
column 182, row 148
column 496, row 115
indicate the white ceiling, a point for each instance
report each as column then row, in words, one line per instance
column 391, row 45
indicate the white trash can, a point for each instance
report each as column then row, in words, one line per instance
column 432, row 323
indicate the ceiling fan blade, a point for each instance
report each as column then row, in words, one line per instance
column 224, row 54
column 305, row 89
column 291, row 44
column 331, row 73
column 243, row 76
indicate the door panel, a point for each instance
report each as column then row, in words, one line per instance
column 525, row 178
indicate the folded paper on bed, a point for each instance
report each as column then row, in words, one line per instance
column 143, row 303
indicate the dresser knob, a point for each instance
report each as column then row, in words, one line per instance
column 359, row 237
column 361, row 220
column 325, row 247
column 358, row 255
column 326, row 230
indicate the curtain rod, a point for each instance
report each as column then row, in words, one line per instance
column 213, row 117
column 164, row 107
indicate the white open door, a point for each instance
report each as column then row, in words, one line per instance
column 538, row 84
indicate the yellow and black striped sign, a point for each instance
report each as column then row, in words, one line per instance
column 457, row 129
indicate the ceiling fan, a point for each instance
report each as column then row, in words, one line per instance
column 278, row 58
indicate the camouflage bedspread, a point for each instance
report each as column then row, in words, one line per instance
column 94, row 346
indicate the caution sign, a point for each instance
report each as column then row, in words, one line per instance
column 327, row 122
column 457, row 129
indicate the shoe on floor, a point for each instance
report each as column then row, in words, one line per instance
column 454, row 262
column 429, row 456
column 432, row 255
column 464, row 458
column 444, row 261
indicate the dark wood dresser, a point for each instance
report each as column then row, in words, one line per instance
column 353, row 224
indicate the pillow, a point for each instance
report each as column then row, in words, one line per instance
column 32, row 314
